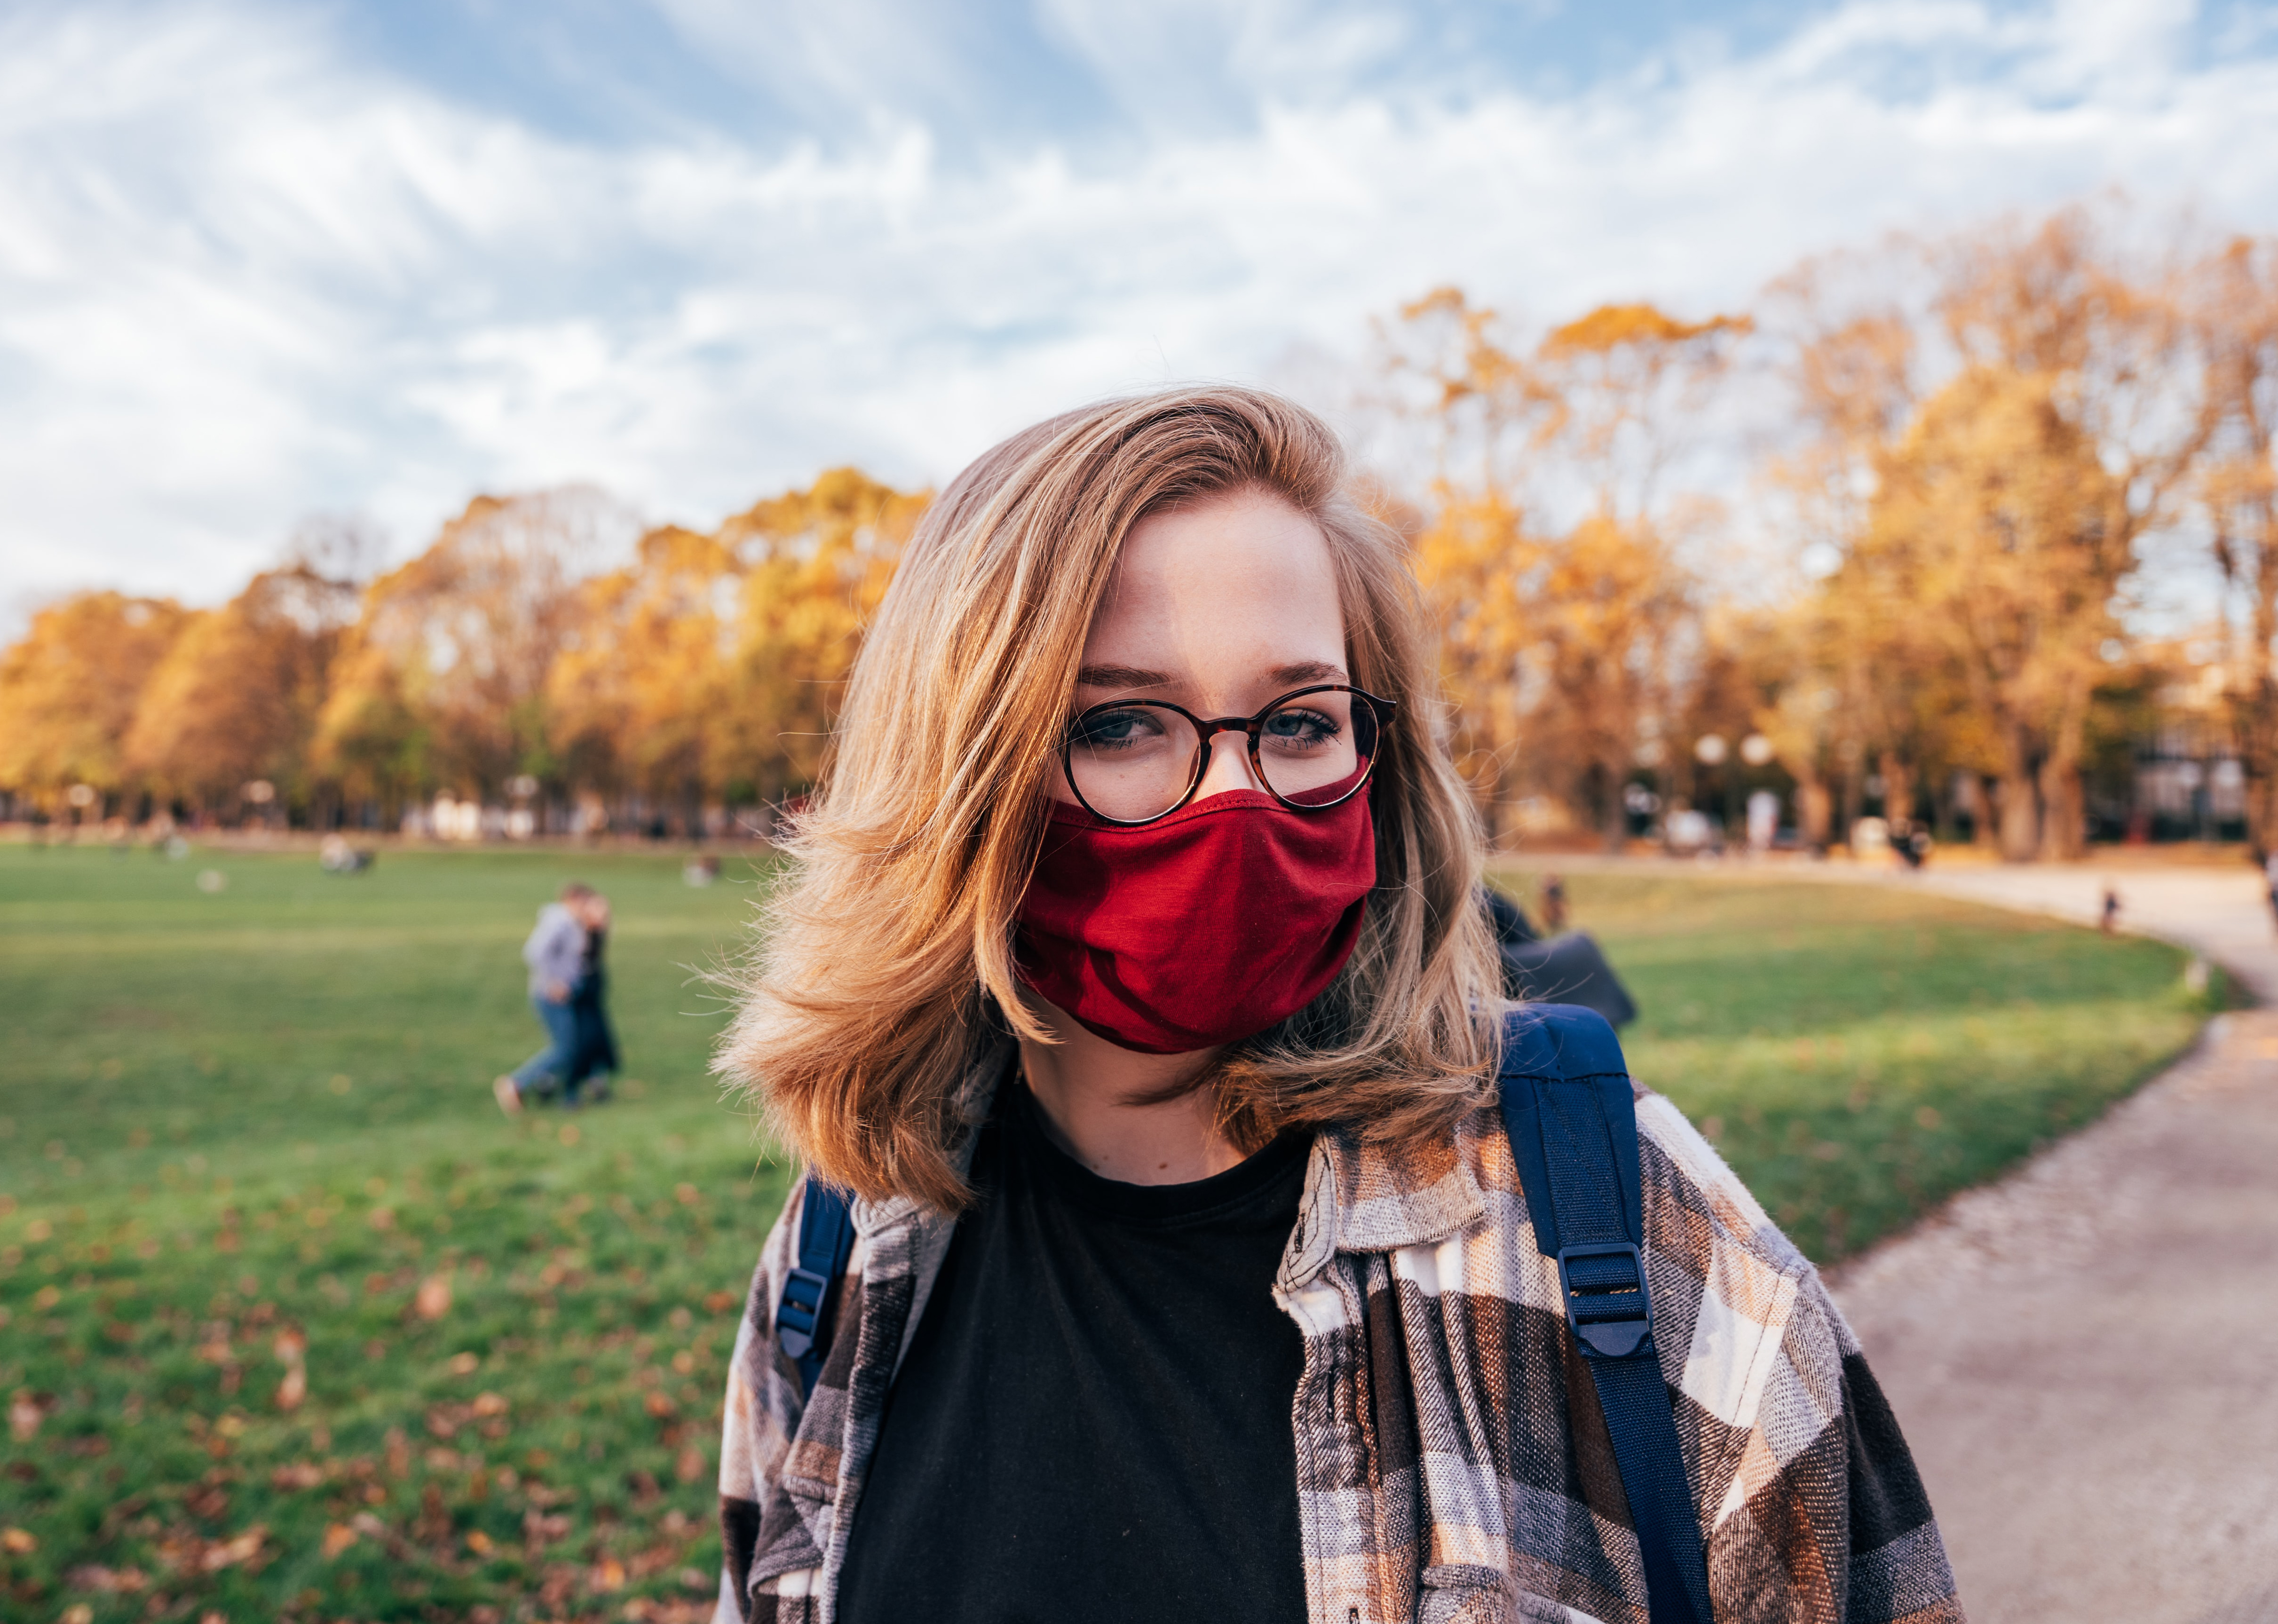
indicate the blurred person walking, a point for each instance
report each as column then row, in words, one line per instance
column 556, row 954
column 594, row 1062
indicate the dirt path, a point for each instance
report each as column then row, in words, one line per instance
column 2085, row 1355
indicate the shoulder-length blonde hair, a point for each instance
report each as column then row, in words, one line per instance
column 884, row 957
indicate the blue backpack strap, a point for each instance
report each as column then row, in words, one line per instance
column 1572, row 1124
column 826, row 1241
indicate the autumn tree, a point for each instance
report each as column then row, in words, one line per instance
column 1561, row 634
column 639, row 692
column 1992, row 465
column 814, row 566
column 236, row 697
column 2236, row 311
column 69, row 690
column 442, row 681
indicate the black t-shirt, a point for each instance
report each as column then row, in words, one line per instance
column 1094, row 1421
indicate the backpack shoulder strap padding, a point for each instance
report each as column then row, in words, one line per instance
column 1572, row 1124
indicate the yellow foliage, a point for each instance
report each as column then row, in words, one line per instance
column 815, row 566
column 638, row 691
column 236, row 696
column 69, row 689
column 1610, row 327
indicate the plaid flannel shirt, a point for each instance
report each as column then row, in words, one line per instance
column 1452, row 1463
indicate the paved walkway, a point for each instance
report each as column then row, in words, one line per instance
column 2085, row 1355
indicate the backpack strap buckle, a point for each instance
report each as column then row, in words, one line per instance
column 1609, row 1307
column 800, row 1311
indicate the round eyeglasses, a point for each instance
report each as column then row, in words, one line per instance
column 1134, row 761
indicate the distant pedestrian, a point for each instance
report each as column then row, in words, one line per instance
column 556, row 954
column 2270, row 880
column 594, row 1063
column 2110, row 923
column 1554, row 903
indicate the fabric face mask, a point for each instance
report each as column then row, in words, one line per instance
column 1201, row 929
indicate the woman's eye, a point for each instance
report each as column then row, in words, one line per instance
column 1112, row 729
column 1306, row 728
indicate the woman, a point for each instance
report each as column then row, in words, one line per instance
column 1129, row 975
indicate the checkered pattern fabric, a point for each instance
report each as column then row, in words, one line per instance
column 1452, row 1463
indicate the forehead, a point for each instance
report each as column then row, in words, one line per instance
column 1239, row 576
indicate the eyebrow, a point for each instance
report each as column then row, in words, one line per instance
column 1121, row 677
column 1138, row 676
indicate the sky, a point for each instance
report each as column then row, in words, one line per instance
column 262, row 262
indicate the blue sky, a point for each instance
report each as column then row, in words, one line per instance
column 259, row 260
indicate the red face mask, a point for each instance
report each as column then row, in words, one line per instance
column 1207, row 927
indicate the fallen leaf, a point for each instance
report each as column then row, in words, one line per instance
column 230, row 1552
column 18, row 1542
column 689, row 1467
column 610, row 1576
column 294, row 1387
column 434, row 1298
column 479, row 1542
column 299, row 1474
column 720, row 1302
column 78, row 1612
column 25, row 1415
column 465, row 1364
column 489, row 1404
column 657, row 1405
column 337, row 1537
column 108, row 1582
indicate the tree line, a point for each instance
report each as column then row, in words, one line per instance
column 1947, row 528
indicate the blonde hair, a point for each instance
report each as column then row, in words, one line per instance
column 885, row 960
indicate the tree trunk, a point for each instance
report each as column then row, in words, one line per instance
column 1898, row 790
column 1813, row 809
column 2063, row 837
column 2019, row 810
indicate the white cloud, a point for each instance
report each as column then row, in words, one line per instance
column 243, row 276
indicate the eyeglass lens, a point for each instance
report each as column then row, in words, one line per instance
column 1134, row 761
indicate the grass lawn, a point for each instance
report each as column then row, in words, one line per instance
column 294, row 1324
column 1859, row 1053
column 242, row 1133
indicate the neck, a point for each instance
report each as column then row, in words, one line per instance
column 1097, row 1098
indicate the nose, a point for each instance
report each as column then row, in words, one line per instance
column 1229, row 765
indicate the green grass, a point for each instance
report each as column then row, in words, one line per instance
column 241, row 1124
column 229, row 1121
column 1860, row 1054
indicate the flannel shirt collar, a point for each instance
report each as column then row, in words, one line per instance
column 1362, row 1198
